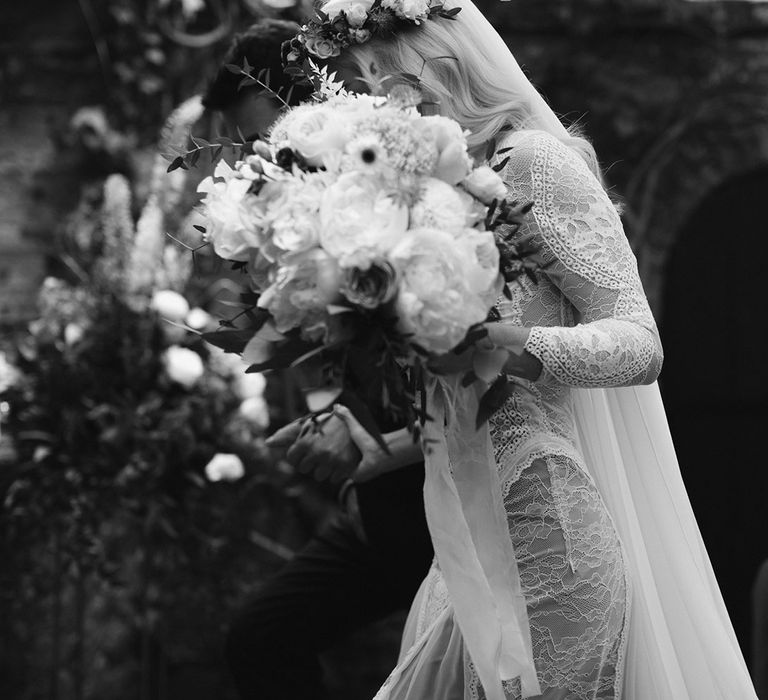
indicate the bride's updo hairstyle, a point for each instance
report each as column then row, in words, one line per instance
column 465, row 67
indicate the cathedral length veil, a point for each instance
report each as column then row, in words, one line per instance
column 681, row 643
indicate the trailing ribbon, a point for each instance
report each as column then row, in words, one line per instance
column 468, row 524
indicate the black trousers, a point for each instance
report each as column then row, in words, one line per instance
column 337, row 584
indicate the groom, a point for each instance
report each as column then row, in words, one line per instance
column 369, row 561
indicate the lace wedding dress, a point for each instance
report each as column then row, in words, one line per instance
column 591, row 327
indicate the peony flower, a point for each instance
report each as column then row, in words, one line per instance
column 304, row 286
column 372, row 287
column 316, row 132
column 453, row 161
column 434, row 303
column 485, row 184
column 358, row 218
column 255, row 410
column 356, row 11
column 225, row 467
column 170, row 305
column 294, row 215
column 441, row 206
column 233, row 217
column 183, row 366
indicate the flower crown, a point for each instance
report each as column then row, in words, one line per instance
column 342, row 23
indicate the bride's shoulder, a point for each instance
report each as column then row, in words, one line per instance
column 525, row 143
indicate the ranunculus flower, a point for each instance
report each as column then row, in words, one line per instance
column 441, row 206
column 183, row 366
column 453, row 161
column 371, row 287
column 255, row 410
column 170, row 305
column 358, row 218
column 225, row 467
column 485, row 184
column 233, row 217
column 304, row 286
column 355, row 10
column 434, row 303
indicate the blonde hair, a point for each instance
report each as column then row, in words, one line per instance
column 455, row 72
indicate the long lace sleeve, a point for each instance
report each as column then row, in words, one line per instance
column 615, row 341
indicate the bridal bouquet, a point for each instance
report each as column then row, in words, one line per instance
column 371, row 242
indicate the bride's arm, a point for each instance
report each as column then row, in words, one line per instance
column 616, row 342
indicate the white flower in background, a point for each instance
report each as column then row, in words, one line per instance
column 225, row 467
column 190, row 8
column 9, row 375
column 355, row 10
column 225, row 364
column 199, row 319
column 444, row 207
column 170, row 305
column 233, row 218
column 73, row 333
column 453, row 161
column 434, row 303
column 249, row 385
column 485, row 184
column 255, row 410
column 183, row 366
column 357, row 217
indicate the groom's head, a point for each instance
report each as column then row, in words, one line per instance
column 251, row 109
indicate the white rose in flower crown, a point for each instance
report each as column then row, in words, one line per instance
column 317, row 132
column 233, row 218
column 359, row 219
column 434, row 303
column 170, row 305
column 305, row 283
column 356, row 11
column 183, row 366
column 414, row 10
column 225, row 467
column 453, row 161
column 485, row 184
column 441, row 206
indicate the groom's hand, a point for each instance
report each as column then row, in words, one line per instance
column 325, row 449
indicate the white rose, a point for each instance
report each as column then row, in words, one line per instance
column 294, row 215
column 415, row 10
column 170, row 305
column 480, row 255
column 255, row 411
column 453, row 161
column 485, row 184
column 317, row 132
column 358, row 218
column 355, row 10
column 434, row 303
column 225, row 467
column 199, row 319
column 183, row 366
column 441, row 206
column 233, row 217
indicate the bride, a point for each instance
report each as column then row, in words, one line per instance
column 568, row 561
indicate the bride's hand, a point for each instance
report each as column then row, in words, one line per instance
column 374, row 458
column 513, row 338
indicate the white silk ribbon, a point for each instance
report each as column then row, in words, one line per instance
column 468, row 524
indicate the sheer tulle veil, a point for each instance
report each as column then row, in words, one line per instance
column 681, row 643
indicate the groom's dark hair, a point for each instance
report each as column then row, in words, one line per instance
column 260, row 46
